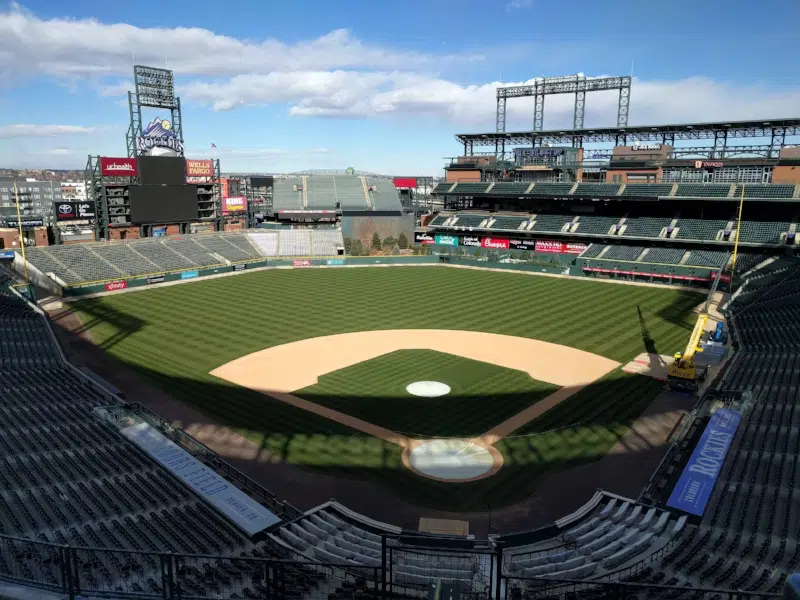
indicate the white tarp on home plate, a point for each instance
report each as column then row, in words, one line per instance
column 246, row 513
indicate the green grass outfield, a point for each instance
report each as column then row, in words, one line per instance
column 176, row 335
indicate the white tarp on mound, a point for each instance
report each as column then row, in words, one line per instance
column 233, row 503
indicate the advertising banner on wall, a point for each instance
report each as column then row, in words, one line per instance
column 559, row 247
column 301, row 263
column 447, row 240
column 405, row 182
column 234, row 204
column 155, row 279
column 189, row 274
column 199, row 168
column 521, row 244
column 494, row 243
column 118, row 167
column 471, row 240
column 424, row 238
column 74, row 211
column 113, row 286
column 696, row 483
column 238, row 507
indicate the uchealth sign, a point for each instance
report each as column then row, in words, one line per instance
column 118, row 167
column 113, row 286
column 423, row 238
column 447, row 240
column 495, row 243
column 199, row 168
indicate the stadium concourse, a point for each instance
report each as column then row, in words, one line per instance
column 91, row 505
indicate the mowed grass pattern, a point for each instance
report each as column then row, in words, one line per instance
column 482, row 395
column 176, row 335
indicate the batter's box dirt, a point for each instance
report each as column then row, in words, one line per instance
column 284, row 371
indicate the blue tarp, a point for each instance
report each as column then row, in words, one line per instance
column 697, row 481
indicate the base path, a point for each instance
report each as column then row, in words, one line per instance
column 281, row 370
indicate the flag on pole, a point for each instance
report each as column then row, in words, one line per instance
column 213, row 145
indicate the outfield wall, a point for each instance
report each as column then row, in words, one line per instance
column 553, row 268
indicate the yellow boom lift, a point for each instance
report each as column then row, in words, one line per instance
column 684, row 375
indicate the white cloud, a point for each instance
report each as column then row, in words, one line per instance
column 59, row 152
column 28, row 131
column 86, row 47
column 517, row 4
column 351, row 94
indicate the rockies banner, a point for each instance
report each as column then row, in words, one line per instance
column 74, row 211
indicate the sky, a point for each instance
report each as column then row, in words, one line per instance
column 282, row 86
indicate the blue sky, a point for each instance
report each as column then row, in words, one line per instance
column 283, row 86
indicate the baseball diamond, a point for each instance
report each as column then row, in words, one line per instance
column 312, row 367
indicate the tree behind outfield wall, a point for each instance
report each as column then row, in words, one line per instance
column 376, row 241
column 357, row 248
column 348, row 246
column 402, row 241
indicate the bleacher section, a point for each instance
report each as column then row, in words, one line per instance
column 762, row 232
column 703, row 190
column 284, row 197
column 79, row 263
column 551, row 189
column 508, row 223
column 646, row 226
column 66, row 478
column 747, row 539
column 350, row 193
column 543, row 222
column 593, row 250
column 764, row 191
column 647, row 189
column 629, row 253
column 385, row 196
column 772, row 190
column 321, row 192
column 664, row 256
column 705, row 258
column 697, row 229
column 596, row 190
column 595, row 225
column 608, row 534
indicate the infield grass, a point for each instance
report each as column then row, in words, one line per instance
column 482, row 395
column 176, row 335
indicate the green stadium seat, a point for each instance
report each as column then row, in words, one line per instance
column 283, row 195
column 595, row 190
column 592, row 251
column 664, row 256
column 628, row 253
column 441, row 188
column 647, row 190
column 699, row 229
column 551, row 189
column 706, row 258
column 471, row 188
column 350, row 193
column 596, row 225
column 516, row 188
column 767, row 190
column 703, row 190
column 646, row 226
column 384, row 196
column 321, row 192
column 508, row 223
column 545, row 222
column 471, row 221
column 762, row 232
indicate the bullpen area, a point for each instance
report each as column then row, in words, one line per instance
column 446, row 390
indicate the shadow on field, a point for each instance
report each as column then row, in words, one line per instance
column 552, row 465
column 124, row 324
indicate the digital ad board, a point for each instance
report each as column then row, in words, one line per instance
column 155, row 204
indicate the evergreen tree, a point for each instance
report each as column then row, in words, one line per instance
column 402, row 241
column 376, row 241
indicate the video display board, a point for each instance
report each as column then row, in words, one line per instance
column 163, row 203
column 163, row 170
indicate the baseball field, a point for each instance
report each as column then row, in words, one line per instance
column 314, row 367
